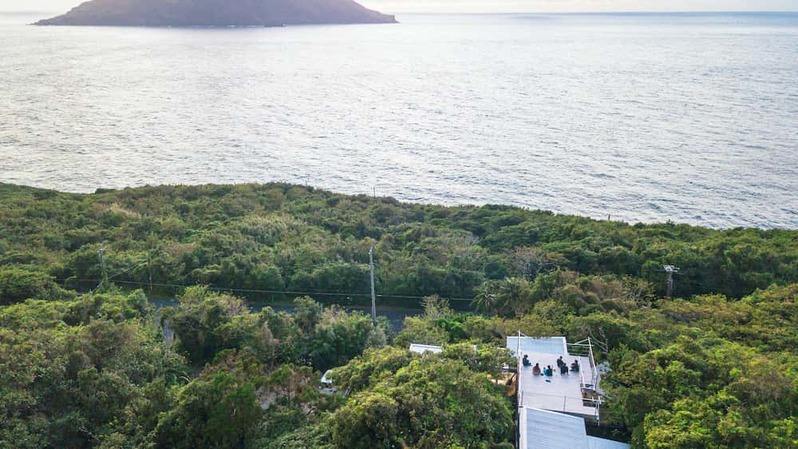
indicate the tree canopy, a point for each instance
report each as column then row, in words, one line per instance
column 280, row 238
column 86, row 361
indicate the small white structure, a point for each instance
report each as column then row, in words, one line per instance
column 421, row 349
column 325, row 378
column 326, row 384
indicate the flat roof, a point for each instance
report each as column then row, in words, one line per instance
column 551, row 408
column 603, row 443
column 542, row 429
column 560, row 392
column 420, row 349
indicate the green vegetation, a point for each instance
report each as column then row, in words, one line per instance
column 279, row 237
column 715, row 368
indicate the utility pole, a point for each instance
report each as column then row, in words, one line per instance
column 101, row 254
column 373, row 295
column 670, row 269
column 149, row 268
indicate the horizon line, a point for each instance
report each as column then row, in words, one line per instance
column 732, row 11
column 605, row 12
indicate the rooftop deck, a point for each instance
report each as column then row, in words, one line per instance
column 560, row 392
column 567, row 393
column 553, row 409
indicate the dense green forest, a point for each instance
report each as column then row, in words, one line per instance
column 279, row 237
column 87, row 362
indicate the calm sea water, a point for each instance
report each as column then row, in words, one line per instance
column 690, row 118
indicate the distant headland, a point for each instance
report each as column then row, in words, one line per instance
column 216, row 13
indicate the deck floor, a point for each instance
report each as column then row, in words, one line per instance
column 560, row 392
column 551, row 409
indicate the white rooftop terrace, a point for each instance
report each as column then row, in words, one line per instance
column 552, row 408
column 567, row 393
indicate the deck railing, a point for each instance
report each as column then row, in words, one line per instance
column 590, row 388
column 591, row 396
column 569, row 404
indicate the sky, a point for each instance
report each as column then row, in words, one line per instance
column 464, row 6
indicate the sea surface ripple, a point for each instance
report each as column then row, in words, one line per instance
column 636, row 117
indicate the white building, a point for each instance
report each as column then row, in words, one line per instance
column 421, row 349
column 553, row 409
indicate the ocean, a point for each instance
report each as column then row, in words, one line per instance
column 691, row 118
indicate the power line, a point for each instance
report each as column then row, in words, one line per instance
column 373, row 295
column 129, row 269
column 101, row 255
column 151, row 284
column 276, row 292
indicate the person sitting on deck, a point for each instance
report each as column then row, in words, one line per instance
column 563, row 368
column 549, row 371
column 536, row 369
column 560, row 362
column 526, row 361
column 575, row 366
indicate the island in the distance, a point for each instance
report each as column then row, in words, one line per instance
column 217, row 13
